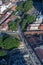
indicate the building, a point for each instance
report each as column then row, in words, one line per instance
column 4, row 7
column 14, row 0
column 4, row 27
column 35, row 25
column 4, row 1
column 0, row 2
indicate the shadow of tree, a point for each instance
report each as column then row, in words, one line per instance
column 17, row 58
column 38, row 5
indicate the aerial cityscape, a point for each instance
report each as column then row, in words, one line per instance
column 21, row 32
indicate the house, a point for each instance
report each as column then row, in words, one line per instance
column 0, row 2
column 4, row 7
column 14, row 0
column 39, row 51
column 14, row 8
column 4, row 27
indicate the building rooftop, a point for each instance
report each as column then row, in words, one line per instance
column 14, row 8
column 4, row 27
column 3, row 7
column 10, row 19
column 39, row 51
column 36, row 43
column 35, row 25
column 15, row 0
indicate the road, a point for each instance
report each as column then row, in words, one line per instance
column 10, row 32
column 29, row 50
column 13, row 32
column 27, row 46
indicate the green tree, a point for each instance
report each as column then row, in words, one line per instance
column 11, row 43
column 13, row 25
column 30, row 19
column 1, row 44
column 28, row 5
column 20, row 7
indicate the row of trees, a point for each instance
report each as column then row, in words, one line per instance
column 25, row 18
column 25, row 6
column 29, row 20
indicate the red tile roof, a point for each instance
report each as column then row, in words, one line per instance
column 33, row 32
column 15, row 0
column 8, row 20
column 35, row 40
column 14, row 8
column 39, row 53
column 12, row 17
column 41, row 27
column 4, row 25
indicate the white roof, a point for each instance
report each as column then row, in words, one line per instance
column 2, row 8
column 36, row 24
column 33, row 28
column 27, row 55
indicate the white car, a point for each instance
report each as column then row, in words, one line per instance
column 14, row 31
